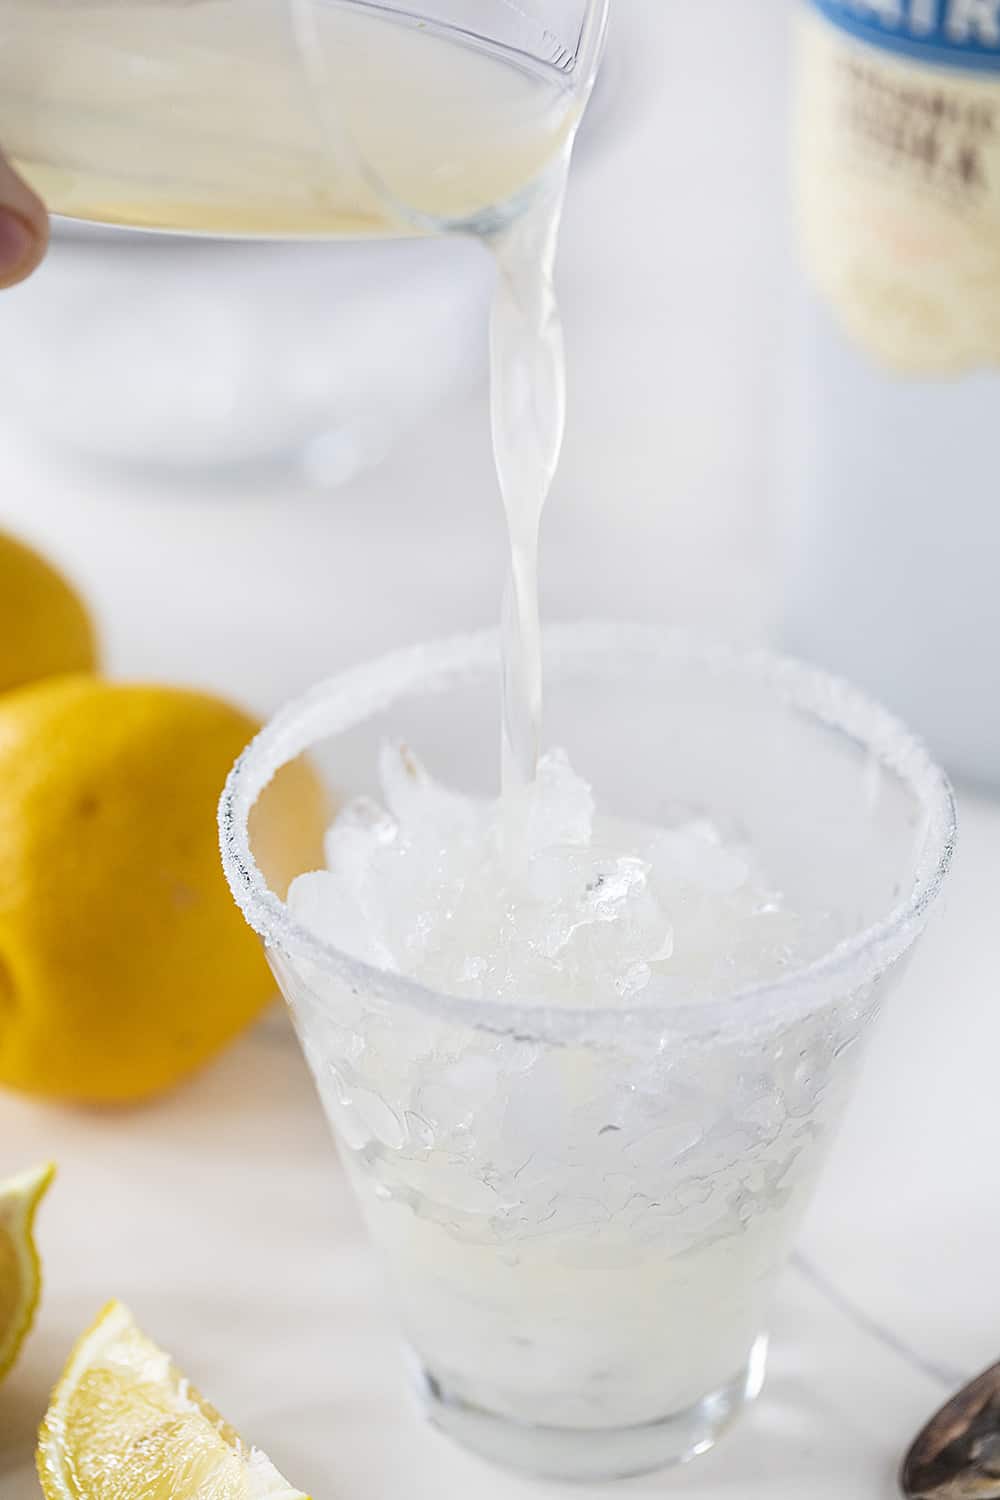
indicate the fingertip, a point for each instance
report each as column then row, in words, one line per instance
column 24, row 226
column 22, row 245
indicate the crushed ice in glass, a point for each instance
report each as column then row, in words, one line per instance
column 538, row 897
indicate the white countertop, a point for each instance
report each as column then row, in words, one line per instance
column 220, row 1214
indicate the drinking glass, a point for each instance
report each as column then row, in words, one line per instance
column 581, row 1211
column 293, row 116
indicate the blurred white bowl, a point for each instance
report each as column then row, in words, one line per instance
column 172, row 354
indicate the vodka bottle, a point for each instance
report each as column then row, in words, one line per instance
column 892, row 566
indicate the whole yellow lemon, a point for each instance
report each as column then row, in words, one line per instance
column 44, row 625
column 124, row 963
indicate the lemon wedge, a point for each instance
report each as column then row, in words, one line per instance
column 20, row 1273
column 125, row 1424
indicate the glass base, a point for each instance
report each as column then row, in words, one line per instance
column 588, row 1455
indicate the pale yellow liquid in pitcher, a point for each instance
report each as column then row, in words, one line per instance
column 268, row 116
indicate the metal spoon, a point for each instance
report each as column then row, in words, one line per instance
column 957, row 1455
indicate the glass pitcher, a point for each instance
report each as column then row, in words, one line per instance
column 293, row 117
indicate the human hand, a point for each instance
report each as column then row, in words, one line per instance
column 24, row 227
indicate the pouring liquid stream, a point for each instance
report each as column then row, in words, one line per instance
column 528, row 407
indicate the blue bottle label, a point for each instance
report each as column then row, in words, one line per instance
column 898, row 176
column 950, row 33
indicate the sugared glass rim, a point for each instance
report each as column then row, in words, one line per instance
column 348, row 699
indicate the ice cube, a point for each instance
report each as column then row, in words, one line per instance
column 695, row 855
column 428, row 811
column 556, row 808
column 353, row 840
column 326, row 904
